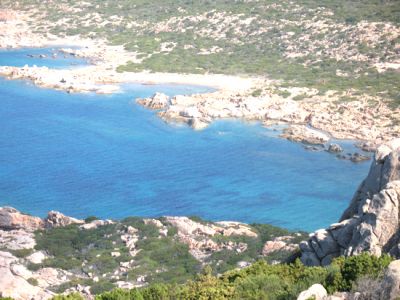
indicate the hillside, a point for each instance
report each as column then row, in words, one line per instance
column 351, row 47
column 60, row 253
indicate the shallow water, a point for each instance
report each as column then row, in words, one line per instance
column 103, row 155
column 51, row 57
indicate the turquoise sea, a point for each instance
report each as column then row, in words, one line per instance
column 104, row 155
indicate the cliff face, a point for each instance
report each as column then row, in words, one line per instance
column 371, row 222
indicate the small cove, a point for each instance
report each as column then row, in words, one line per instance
column 104, row 155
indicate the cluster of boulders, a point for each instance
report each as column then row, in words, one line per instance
column 16, row 233
column 308, row 121
column 306, row 135
column 371, row 222
column 278, row 244
column 12, row 219
column 198, row 236
column 157, row 101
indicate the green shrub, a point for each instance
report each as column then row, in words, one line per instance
column 101, row 286
column 21, row 253
column 355, row 267
column 262, row 281
column 73, row 296
column 90, row 219
column 33, row 281
column 256, row 93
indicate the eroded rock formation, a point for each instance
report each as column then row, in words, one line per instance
column 371, row 222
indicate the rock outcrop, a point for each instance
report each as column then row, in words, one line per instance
column 316, row 291
column 335, row 148
column 279, row 244
column 371, row 222
column 12, row 281
column 157, row 101
column 12, row 219
column 57, row 219
column 390, row 286
column 198, row 236
column 304, row 134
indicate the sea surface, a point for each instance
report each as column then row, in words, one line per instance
column 104, row 155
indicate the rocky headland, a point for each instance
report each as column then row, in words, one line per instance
column 371, row 222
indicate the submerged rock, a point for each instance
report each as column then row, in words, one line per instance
column 304, row 134
column 157, row 101
column 354, row 157
column 371, row 222
column 335, row 148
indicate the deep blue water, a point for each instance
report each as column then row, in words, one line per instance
column 104, row 155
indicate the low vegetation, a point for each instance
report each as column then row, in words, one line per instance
column 99, row 257
column 262, row 281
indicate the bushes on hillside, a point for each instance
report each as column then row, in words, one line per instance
column 263, row 281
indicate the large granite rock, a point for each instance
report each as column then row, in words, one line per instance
column 13, row 281
column 316, row 291
column 371, row 222
column 157, row 101
column 57, row 219
column 12, row 219
column 390, row 287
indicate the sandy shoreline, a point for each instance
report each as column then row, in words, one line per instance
column 234, row 98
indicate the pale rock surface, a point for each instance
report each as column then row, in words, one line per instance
column 11, row 219
column 157, row 101
column 57, row 219
column 390, row 288
column 198, row 235
column 21, row 271
column 316, row 290
column 95, row 224
column 282, row 243
column 187, row 226
column 304, row 134
column 48, row 277
column 130, row 237
column 37, row 257
column 13, row 285
column 371, row 222
column 335, row 148
column 17, row 239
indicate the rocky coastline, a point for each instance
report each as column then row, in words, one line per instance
column 368, row 119
column 29, row 270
